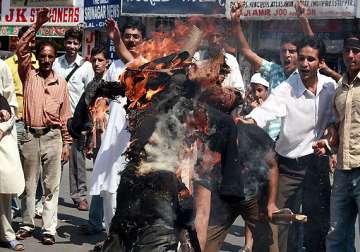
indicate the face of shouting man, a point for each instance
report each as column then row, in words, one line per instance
column 132, row 37
column 308, row 64
column 288, row 58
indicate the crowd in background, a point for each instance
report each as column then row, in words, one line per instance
column 299, row 119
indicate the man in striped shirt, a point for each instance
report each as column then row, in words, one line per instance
column 46, row 111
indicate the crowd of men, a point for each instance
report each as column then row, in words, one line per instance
column 309, row 115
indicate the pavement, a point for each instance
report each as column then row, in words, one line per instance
column 70, row 239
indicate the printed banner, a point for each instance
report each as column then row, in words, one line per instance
column 96, row 11
column 173, row 7
column 45, row 31
column 317, row 9
column 59, row 16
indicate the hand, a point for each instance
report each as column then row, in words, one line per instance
column 271, row 208
column 236, row 11
column 112, row 29
column 301, row 10
column 331, row 135
column 239, row 120
column 332, row 162
column 1, row 134
column 42, row 17
column 4, row 115
column 65, row 154
column 320, row 147
column 323, row 67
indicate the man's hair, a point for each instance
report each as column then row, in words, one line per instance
column 99, row 49
column 313, row 42
column 22, row 31
column 288, row 39
column 74, row 33
column 134, row 24
column 41, row 46
column 354, row 34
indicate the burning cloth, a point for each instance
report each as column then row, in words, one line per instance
column 165, row 118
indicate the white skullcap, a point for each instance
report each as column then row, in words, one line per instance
column 258, row 79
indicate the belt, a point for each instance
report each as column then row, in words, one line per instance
column 298, row 159
column 295, row 165
column 39, row 131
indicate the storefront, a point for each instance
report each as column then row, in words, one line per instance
column 18, row 13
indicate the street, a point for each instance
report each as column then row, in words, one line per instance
column 70, row 239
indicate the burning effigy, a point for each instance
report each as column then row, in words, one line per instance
column 167, row 120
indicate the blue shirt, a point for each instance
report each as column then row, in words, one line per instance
column 274, row 74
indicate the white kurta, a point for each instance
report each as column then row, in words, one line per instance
column 11, row 174
column 109, row 161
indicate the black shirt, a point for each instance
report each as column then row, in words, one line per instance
column 253, row 146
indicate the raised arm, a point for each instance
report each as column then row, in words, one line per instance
column 115, row 35
column 301, row 12
column 245, row 49
column 23, row 51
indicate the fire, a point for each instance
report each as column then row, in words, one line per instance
column 98, row 115
column 98, row 112
column 208, row 157
column 164, row 43
column 150, row 93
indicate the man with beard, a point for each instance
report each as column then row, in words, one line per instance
column 345, row 194
column 303, row 102
column 215, row 46
column 46, row 111
column 78, row 73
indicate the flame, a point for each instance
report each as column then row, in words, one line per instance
column 150, row 93
column 98, row 115
column 99, row 109
column 164, row 43
column 209, row 158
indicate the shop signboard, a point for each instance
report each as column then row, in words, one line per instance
column 96, row 11
column 59, row 16
column 173, row 7
column 26, row 3
column 45, row 31
column 284, row 9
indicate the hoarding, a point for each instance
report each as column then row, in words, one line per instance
column 284, row 9
column 96, row 11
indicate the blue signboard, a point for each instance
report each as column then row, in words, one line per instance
column 111, row 50
column 173, row 7
column 96, row 11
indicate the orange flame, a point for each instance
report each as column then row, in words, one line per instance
column 150, row 93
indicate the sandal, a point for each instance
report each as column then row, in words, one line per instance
column 48, row 239
column 22, row 234
column 15, row 245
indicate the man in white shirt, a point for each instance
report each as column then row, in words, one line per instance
column 304, row 104
column 78, row 73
